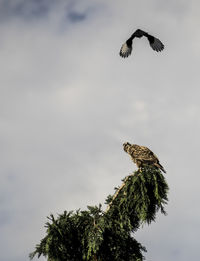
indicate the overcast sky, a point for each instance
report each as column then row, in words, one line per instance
column 69, row 101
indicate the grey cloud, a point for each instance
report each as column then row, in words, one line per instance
column 76, row 17
column 24, row 9
column 32, row 10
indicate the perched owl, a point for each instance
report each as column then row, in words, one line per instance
column 142, row 156
column 154, row 42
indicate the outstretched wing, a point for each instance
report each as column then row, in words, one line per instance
column 155, row 43
column 125, row 50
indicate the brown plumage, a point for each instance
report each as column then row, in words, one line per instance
column 154, row 42
column 142, row 156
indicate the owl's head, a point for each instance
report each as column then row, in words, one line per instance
column 126, row 146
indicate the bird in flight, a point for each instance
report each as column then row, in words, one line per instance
column 142, row 156
column 154, row 42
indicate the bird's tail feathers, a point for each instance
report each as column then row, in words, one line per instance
column 158, row 165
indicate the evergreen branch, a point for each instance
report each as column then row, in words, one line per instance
column 116, row 193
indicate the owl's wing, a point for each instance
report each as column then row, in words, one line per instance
column 126, row 48
column 146, row 154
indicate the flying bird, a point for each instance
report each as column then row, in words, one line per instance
column 154, row 42
column 142, row 156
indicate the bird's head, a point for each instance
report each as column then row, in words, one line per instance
column 126, row 146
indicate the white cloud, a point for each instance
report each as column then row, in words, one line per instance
column 68, row 102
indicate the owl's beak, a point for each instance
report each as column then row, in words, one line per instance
column 124, row 145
